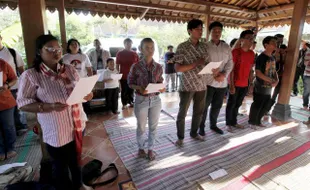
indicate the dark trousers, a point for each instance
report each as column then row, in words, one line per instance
column 126, row 93
column 19, row 116
column 111, row 96
column 233, row 104
column 258, row 108
column 215, row 98
column 64, row 159
column 299, row 73
column 274, row 96
column 198, row 108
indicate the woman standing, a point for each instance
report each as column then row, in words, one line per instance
column 44, row 90
column 7, row 104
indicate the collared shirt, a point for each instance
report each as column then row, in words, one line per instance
column 57, row 127
column 93, row 57
column 7, row 100
column 107, row 75
column 7, row 56
column 186, row 54
column 141, row 75
column 220, row 52
column 125, row 59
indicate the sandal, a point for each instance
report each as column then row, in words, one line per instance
column 199, row 138
column 11, row 154
column 239, row 126
column 141, row 153
column 230, row 129
column 179, row 143
column 151, row 155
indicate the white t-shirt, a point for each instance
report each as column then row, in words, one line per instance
column 7, row 56
column 80, row 61
column 107, row 75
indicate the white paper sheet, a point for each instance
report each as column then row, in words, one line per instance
column 217, row 174
column 6, row 167
column 154, row 87
column 100, row 73
column 116, row 76
column 1, row 79
column 81, row 89
column 208, row 68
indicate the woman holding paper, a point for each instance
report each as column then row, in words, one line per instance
column 147, row 106
column 44, row 90
column 111, row 87
column 7, row 104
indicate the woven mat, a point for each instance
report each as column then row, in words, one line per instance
column 188, row 167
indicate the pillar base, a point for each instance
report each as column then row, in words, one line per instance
column 282, row 112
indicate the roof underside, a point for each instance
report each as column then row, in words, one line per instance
column 232, row 13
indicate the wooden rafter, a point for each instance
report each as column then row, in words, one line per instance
column 277, row 17
column 260, row 4
column 277, row 8
column 144, row 13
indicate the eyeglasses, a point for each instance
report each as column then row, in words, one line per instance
column 53, row 50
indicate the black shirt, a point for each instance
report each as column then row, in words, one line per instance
column 169, row 67
column 267, row 65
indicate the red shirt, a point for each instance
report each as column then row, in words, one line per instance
column 125, row 59
column 243, row 63
column 7, row 100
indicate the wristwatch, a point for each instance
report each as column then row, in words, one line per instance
column 40, row 107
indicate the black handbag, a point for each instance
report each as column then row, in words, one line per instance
column 92, row 171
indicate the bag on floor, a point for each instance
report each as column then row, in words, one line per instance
column 92, row 171
column 15, row 175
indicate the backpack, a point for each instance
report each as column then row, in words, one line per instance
column 13, row 53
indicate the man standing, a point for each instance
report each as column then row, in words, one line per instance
column 14, row 59
column 190, row 58
column 306, row 80
column 124, row 60
column 217, row 84
column 300, row 69
column 243, row 59
column 98, row 57
column 169, row 69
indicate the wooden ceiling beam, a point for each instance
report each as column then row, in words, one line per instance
column 277, row 8
column 231, row 17
column 277, row 17
column 144, row 13
column 285, row 21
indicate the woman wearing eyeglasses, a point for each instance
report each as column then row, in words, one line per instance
column 44, row 90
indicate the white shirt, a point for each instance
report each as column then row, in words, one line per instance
column 107, row 75
column 80, row 61
column 221, row 52
column 7, row 56
column 93, row 57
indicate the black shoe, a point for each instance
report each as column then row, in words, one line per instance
column 202, row 132
column 217, row 130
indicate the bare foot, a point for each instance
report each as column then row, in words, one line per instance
column 307, row 123
column 179, row 143
column 141, row 153
column 151, row 155
column 253, row 127
column 230, row 129
column 239, row 126
column 199, row 138
column 124, row 107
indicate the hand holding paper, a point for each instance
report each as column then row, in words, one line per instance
column 116, row 76
column 154, row 87
column 1, row 79
column 208, row 68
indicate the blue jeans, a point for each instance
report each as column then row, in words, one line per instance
column 306, row 93
column 7, row 132
column 147, row 108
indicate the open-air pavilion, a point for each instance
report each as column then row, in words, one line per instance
column 273, row 158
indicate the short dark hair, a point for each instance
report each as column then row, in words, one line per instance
column 246, row 32
column 279, row 36
column 145, row 40
column 194, row 23
column 170, row 46
column 232, row 42
column 109, row 59
column 267, row 40
column 215, row 24
column 283, row 46
column 127, row 40
column 71, row 41
column 255, row 42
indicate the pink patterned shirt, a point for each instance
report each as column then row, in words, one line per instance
column 57, row 127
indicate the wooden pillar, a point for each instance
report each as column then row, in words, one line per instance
column 282, row 109
column 207, row 22
column 33, row 20
column 62, row 23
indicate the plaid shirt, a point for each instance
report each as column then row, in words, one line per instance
column 187, row 54
column 140, row 74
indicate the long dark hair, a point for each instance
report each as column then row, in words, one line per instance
column 40, row 42
column 69, row 43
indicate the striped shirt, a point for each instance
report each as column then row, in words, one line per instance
column 142, row 75
column 57, row 127
column 187, row 54
column 221, row 52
